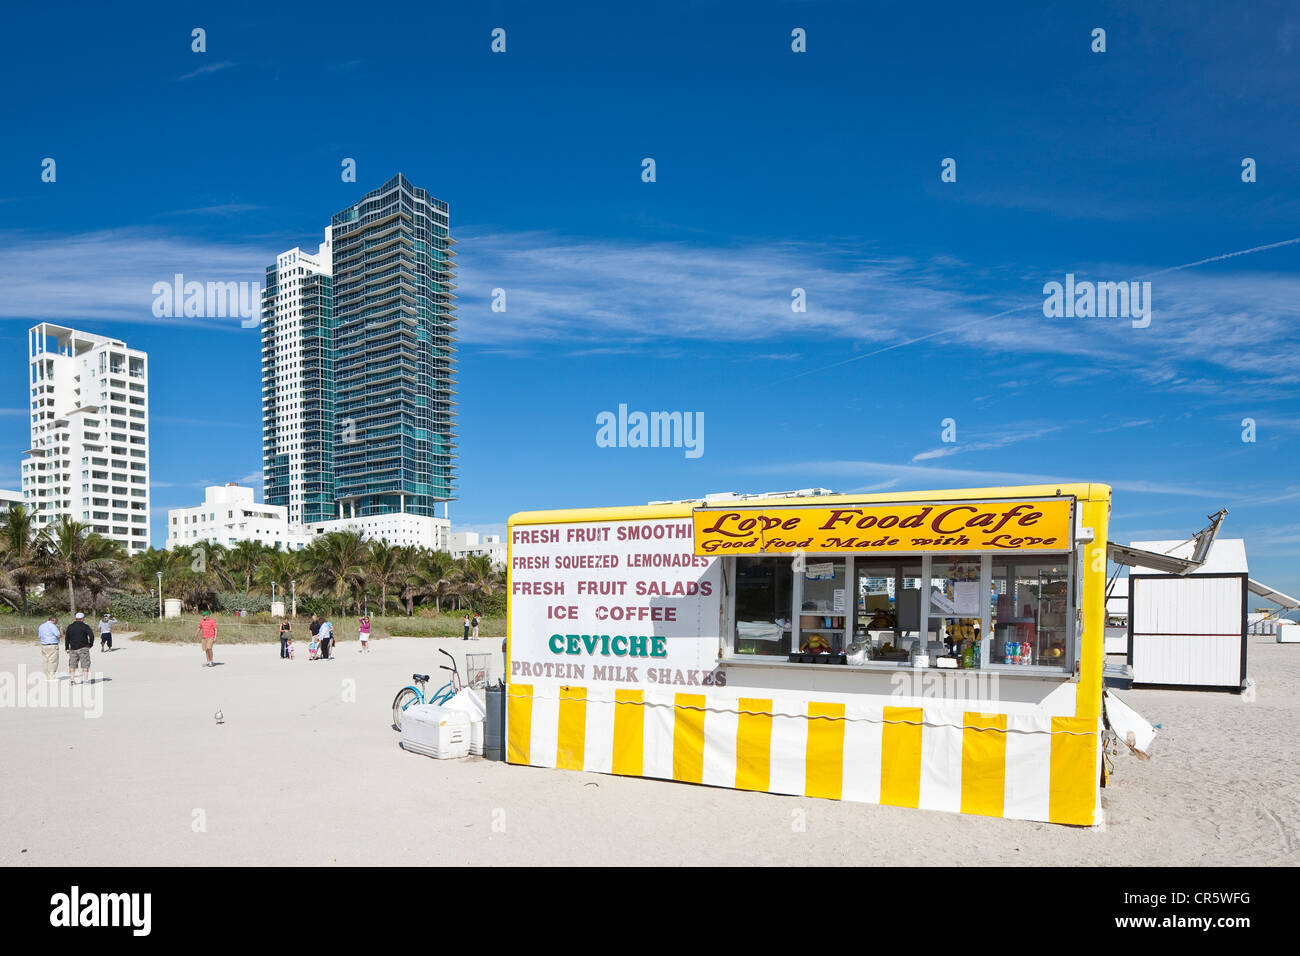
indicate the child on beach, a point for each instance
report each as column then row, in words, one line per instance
column 313, row 648
column 363, row 631
column 289, row 648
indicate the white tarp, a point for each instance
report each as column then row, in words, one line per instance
column 467, row 702
column 1128, row 725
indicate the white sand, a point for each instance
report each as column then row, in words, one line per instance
column 297, row 775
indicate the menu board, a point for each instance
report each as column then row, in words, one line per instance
column 625, row 602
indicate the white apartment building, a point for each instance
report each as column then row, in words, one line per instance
column 229, row 514
column 471, row 544
column 89, row 454
column 297, row 384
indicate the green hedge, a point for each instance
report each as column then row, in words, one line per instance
column 128, row 607
column 494, row 606
column 253, row 603
column 311, row 604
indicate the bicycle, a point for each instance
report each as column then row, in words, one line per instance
column 413, row 694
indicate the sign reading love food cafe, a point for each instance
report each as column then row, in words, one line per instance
column 1035, row 525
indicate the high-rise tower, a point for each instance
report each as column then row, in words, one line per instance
column 298, row 385
column 394, row 352
column 89, row 454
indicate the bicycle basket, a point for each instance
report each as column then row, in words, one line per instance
column 476, row 670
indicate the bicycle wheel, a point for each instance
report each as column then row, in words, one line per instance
column 404, row 699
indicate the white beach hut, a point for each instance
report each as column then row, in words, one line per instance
column 1190, row 629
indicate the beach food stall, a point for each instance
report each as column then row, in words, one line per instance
column 939, row 649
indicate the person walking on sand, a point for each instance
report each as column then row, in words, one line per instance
column 314, row 627
column 465, row 625
column 78, row 640
column 363, row 632
column 285, row 628
column 326, row 639
column 49, row 634
column 106, row 631
column 207, row 633
column 474, row 625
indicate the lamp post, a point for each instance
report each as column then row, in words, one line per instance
column 160, row 617
column 272, row 592
column 293, row 598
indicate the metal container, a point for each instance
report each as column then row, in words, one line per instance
column 494, row 733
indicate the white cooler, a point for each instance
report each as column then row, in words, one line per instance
column 1288, row 633
column 436, row 731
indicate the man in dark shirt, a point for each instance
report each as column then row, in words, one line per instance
column 314, row 627
column 79, row 638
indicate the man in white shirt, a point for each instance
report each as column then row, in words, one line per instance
column 106, row 631
column 326, row 640
column 48, row 632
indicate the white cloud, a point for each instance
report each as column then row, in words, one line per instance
column 613, row 293
column 1002, row 441
column 208, row 68
column 109, row 275
column 582, row 295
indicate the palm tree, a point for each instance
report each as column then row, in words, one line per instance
column 389, row 567
column 336, row 562
column 433, row 576
column 144, row 567
column 212, row 561
column 8, row 592
column 19, row 552
column 477, row 578
column 411, row 556
column 242, row 561
column 278, row 568
column 73, row 555
column 193, row 578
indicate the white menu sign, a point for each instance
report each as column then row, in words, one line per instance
column 625, row 602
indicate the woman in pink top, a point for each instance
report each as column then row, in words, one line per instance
column 363, row 629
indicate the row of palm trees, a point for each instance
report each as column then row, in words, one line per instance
column 342, row 566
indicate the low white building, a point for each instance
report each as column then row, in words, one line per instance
column 395, row 528
column 230, row 514
column 465, row 544
column 10, row 498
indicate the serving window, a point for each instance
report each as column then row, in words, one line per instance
column 960, row 611
column 763, row 594
column 821, row 591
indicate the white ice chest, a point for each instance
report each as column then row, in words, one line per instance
column 436, row 731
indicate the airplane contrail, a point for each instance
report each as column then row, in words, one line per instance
column 1022, row 308
column 1226, row 255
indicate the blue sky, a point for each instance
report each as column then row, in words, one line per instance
column 775, row 170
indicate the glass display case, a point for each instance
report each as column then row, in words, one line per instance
column 1029, row 612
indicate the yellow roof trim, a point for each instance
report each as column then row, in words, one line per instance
column 1084, row 491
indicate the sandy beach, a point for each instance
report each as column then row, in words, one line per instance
column 306, row 769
